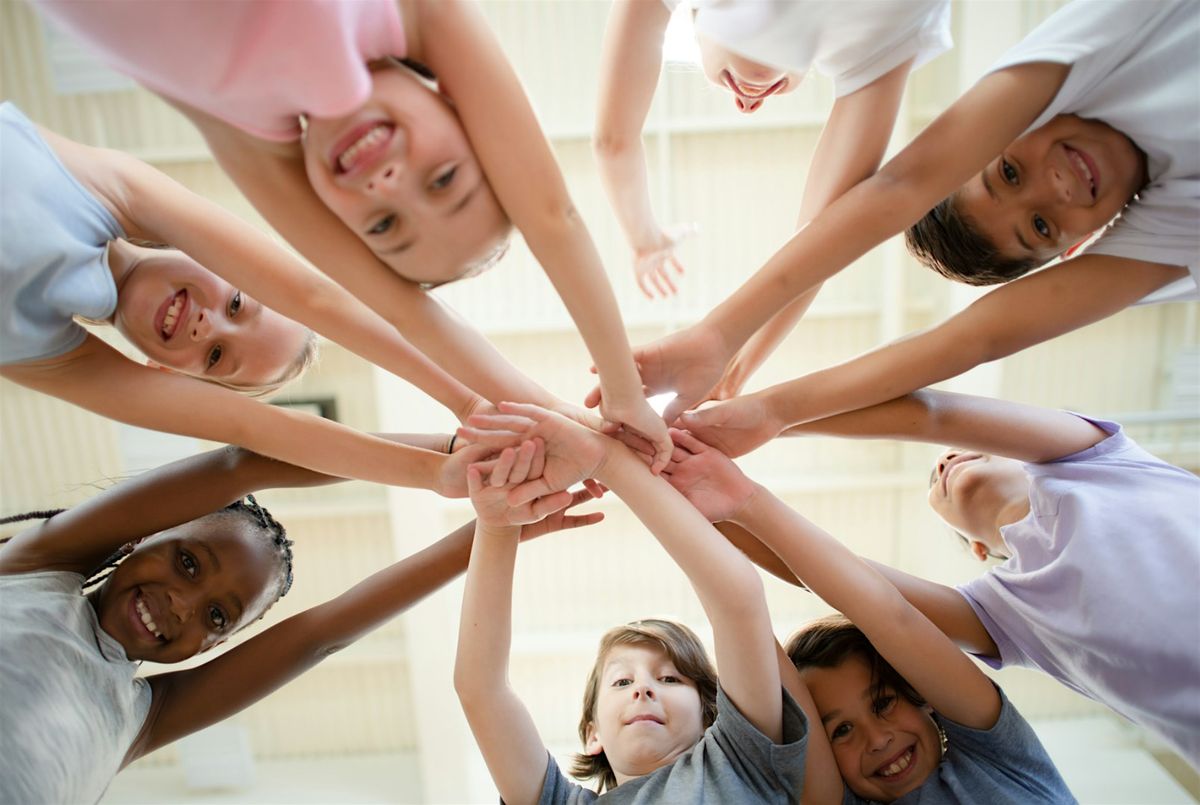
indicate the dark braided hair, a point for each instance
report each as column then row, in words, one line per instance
column 248, row 507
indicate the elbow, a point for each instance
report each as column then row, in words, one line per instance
column 608, row 144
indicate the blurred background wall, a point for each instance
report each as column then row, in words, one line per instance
column 380, row 722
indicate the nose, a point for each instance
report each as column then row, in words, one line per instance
column 747, row 105
column 644, row 691
column 1059, row 185
column 182, row 604
column 879, row 736
column 201, row 326
column 383, row 179
column 944, row 460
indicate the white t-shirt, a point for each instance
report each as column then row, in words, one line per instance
column 853, row 42
column 70, row 703
column 1136, row 66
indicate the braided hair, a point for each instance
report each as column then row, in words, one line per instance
column 246, row 507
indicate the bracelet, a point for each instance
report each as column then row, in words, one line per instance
column 450, row 447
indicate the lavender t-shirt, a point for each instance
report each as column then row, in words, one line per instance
column 1103, row 588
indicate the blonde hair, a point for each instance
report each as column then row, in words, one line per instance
column 305, row 358
column 689, row 657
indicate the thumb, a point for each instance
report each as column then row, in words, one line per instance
column 676, row 408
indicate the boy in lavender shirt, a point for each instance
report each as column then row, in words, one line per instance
column 1100, row 543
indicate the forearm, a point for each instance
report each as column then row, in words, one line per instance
column 764, row 342
column 622, row 165
column 485, row 628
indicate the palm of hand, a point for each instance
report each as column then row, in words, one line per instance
column 709, row 485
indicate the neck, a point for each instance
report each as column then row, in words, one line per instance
column 122, row 259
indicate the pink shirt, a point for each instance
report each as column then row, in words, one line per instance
column 256, row 64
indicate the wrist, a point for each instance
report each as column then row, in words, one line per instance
column 749, row 512
column 496, row 530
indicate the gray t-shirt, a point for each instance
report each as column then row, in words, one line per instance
column 70, row 703
column 1006, row 765
column 54, row 238
column 731, row 763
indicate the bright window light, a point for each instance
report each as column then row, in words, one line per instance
column 679, row 44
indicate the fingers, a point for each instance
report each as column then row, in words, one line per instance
column 593, row 397
column 578, row 520
column 474, row 481
column 522, row 463
column 525, row 411
column 523, row 493
column 503, row 421
column 504, row 465
column 594, row 487
column 676, row 407
column 493, row 439
column 538, row 465
column 662, row 455
column 662, row 279
column 687, row 441
column 636, row 442
column 542, row 507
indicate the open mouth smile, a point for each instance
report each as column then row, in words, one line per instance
column 362, row 147
column 960, row 459
column 751, row 92
column 899, row 767
column 170, row 314
column 145, row 620
column 1084, row 168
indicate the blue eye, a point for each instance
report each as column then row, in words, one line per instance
column 382, row 226
column 1040, row 226
column 1008, row 172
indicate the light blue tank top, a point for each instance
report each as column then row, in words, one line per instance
column 53, row 248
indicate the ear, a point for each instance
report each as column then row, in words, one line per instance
column 1069, row 253
column 980, row 551
column 593, row 745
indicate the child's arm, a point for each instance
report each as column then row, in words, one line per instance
column 190, row 700
column 97, row 377
column 719, row 490
column 999, row 427
column 81, row 537
column 728, row 587
column 272, row 177
column 630, row 65
column 452, row 37
column 851, row 146
column 915, row 647
column 946, row 154
column 152, row 206
column 1022, row 313
column 504, row 731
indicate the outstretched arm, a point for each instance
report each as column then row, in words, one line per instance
column 152, row 206
column 272, row 177
column 631, row 61
column 913, row 644
column 1024, row 432
column 453, row 38
column 1011, row 318
column 729, row 589
column 190, row 700
column 174, row 403
column 945, row 155
column 504, row 731
column 851, row 147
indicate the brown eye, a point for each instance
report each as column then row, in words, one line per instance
column 235, row 304
column 1008, row 172
column 214, row 356
column 443, row 181
column 382, row 226
column 1041, row 227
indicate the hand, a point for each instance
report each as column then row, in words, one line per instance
column 651, row 261
column 452, row 478
column 708, row 478
column 637, row 416
column 731, row 383
column 689, row 363
column 513, row 466
column 560, row 520
column 735, row 427
column 572, row 452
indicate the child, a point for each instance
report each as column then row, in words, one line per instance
column 754, row 50
column 1097, row 105
column 384, row 173
column 650, row 696
column 74, row 712
column 66, row 213
column 1061, row 500
column 903, row 709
